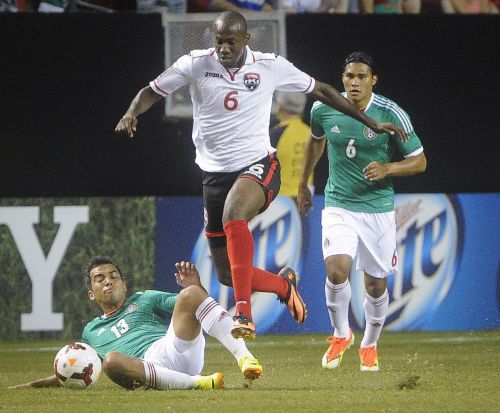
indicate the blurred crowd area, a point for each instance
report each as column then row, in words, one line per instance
column 289, row 6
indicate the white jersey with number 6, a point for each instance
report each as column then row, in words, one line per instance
column 231, row 107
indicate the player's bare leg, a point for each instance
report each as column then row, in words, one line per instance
column 132, row 373
column 215, row 320
column 126, row 371
column 222, row 265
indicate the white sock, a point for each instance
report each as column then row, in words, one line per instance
column 217, row 322
column 375, row 314
column 161, row 378
column 338, row 297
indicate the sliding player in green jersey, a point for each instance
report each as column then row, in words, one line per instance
column 137, row 346
column 358, row 221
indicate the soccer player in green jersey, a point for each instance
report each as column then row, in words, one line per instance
column 358, row 221
column 139, row 349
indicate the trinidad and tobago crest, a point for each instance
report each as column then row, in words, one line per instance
column 252, row 81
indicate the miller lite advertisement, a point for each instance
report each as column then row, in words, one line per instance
column 447, row 275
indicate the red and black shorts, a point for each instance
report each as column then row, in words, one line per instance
column 216, row 186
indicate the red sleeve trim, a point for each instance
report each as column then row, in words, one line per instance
column 159, row 88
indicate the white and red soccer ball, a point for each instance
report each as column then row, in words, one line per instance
column 77, row 366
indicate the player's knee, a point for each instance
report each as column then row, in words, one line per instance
column 337, row 275
column 376, row 289
column 123, row 370
column 111, row 362
column 191, row 297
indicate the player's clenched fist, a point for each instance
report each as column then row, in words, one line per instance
column 127, row 125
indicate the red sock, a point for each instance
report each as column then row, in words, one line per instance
column 240, row 251
column 268, row 282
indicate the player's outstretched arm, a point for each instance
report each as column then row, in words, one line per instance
column 313, row 151
column 146, row 98
column 51, row 381
column 331, row 97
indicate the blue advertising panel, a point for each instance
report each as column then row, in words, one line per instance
column 448, row 269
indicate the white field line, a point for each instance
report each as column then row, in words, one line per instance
column 269, row 342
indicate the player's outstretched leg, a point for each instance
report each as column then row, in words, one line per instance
column 338, row 345
column 240, row 250
column 293, row 299
column 217, row 322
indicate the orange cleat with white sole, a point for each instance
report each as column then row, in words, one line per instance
column 243, row 327
column 293, row 299
column 338, row 345
column 368, row 357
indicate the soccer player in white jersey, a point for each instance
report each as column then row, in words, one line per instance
column 358, row 219
column 139, row 348
column 231, row 90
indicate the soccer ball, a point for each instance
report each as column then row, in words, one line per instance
column 77, row 366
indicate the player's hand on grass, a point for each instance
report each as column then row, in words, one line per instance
column 375, row 171
column 20, row 386
column 127, row 125
column 187, row 274
column 392, row 130
column 304, row 199
column 50, row 381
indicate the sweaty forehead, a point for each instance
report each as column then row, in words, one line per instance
column 227, row 28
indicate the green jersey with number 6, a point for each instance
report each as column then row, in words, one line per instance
column 352, row 146
column 130, row 330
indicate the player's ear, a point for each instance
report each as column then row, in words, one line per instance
column 247, row 38
column 91, row 295
column 374, row 80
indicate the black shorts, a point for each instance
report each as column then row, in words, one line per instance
column 216, row 186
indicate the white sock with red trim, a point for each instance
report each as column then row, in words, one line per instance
column 161, row 378
column 217, row 322
column 375, row 314
column 338, row 297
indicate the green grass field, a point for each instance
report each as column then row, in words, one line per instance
column 420, row 372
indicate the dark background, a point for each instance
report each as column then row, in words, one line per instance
column 67, row 79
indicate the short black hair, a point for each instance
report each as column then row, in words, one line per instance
column 95, row 262
column 360, row 57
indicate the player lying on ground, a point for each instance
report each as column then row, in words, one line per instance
column 138, row 348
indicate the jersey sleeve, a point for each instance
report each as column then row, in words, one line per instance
column 87, row 334
column 413, row 146
column 84, row 338
column 291, row 79
column 162, row 302
column 317, row 130
column 176, row 76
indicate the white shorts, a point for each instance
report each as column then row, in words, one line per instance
column 368, row 238
column 177, row 354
